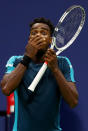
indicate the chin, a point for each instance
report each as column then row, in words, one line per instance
column 40, row 53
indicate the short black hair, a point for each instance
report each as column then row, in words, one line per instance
column 45, row 21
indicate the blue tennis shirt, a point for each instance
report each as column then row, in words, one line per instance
column 38, row 110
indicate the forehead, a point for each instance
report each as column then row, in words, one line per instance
column 40, row 26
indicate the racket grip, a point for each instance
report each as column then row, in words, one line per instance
column 38, row 77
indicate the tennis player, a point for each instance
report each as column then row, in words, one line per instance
column 39, row 110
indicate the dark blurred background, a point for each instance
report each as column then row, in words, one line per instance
column 15, row 17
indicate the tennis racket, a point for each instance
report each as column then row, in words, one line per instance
column 65, row 32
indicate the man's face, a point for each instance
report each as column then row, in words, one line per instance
column 41, row 30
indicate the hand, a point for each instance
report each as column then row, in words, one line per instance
column 51, row 58
column 34, row 45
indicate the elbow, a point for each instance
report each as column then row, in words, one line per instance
column 74, row 104
column 4, row 89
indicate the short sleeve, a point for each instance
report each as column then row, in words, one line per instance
column 11, row 63
column 68, row 70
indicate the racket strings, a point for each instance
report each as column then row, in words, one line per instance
column 68, row 27
column 71, row 23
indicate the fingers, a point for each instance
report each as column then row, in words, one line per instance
column 36, row 40
column 50, row 55
column 51, row 59
column 40, row 41
column 35, row 44
column 50, row 52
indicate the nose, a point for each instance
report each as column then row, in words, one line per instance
column 38, row 34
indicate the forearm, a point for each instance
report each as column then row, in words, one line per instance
column 10, row 83
column 68, row 91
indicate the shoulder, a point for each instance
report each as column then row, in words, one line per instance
column 64, row 63
column 12, row 59
column 11, row 63
column 64, row 60
column 67, row 68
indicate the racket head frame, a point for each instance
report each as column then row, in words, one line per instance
column 76, row 33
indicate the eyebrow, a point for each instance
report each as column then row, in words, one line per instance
column 40, row 28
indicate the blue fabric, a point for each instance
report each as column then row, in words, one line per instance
column 67, row 69
column 16, row 110
column 39, row 110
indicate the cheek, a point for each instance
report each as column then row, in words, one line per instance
column 48, row 39
column 31, row 36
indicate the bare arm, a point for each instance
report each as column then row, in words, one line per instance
column 11, row 81
column 68, row 89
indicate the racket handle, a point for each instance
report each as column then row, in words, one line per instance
column 38, row 77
